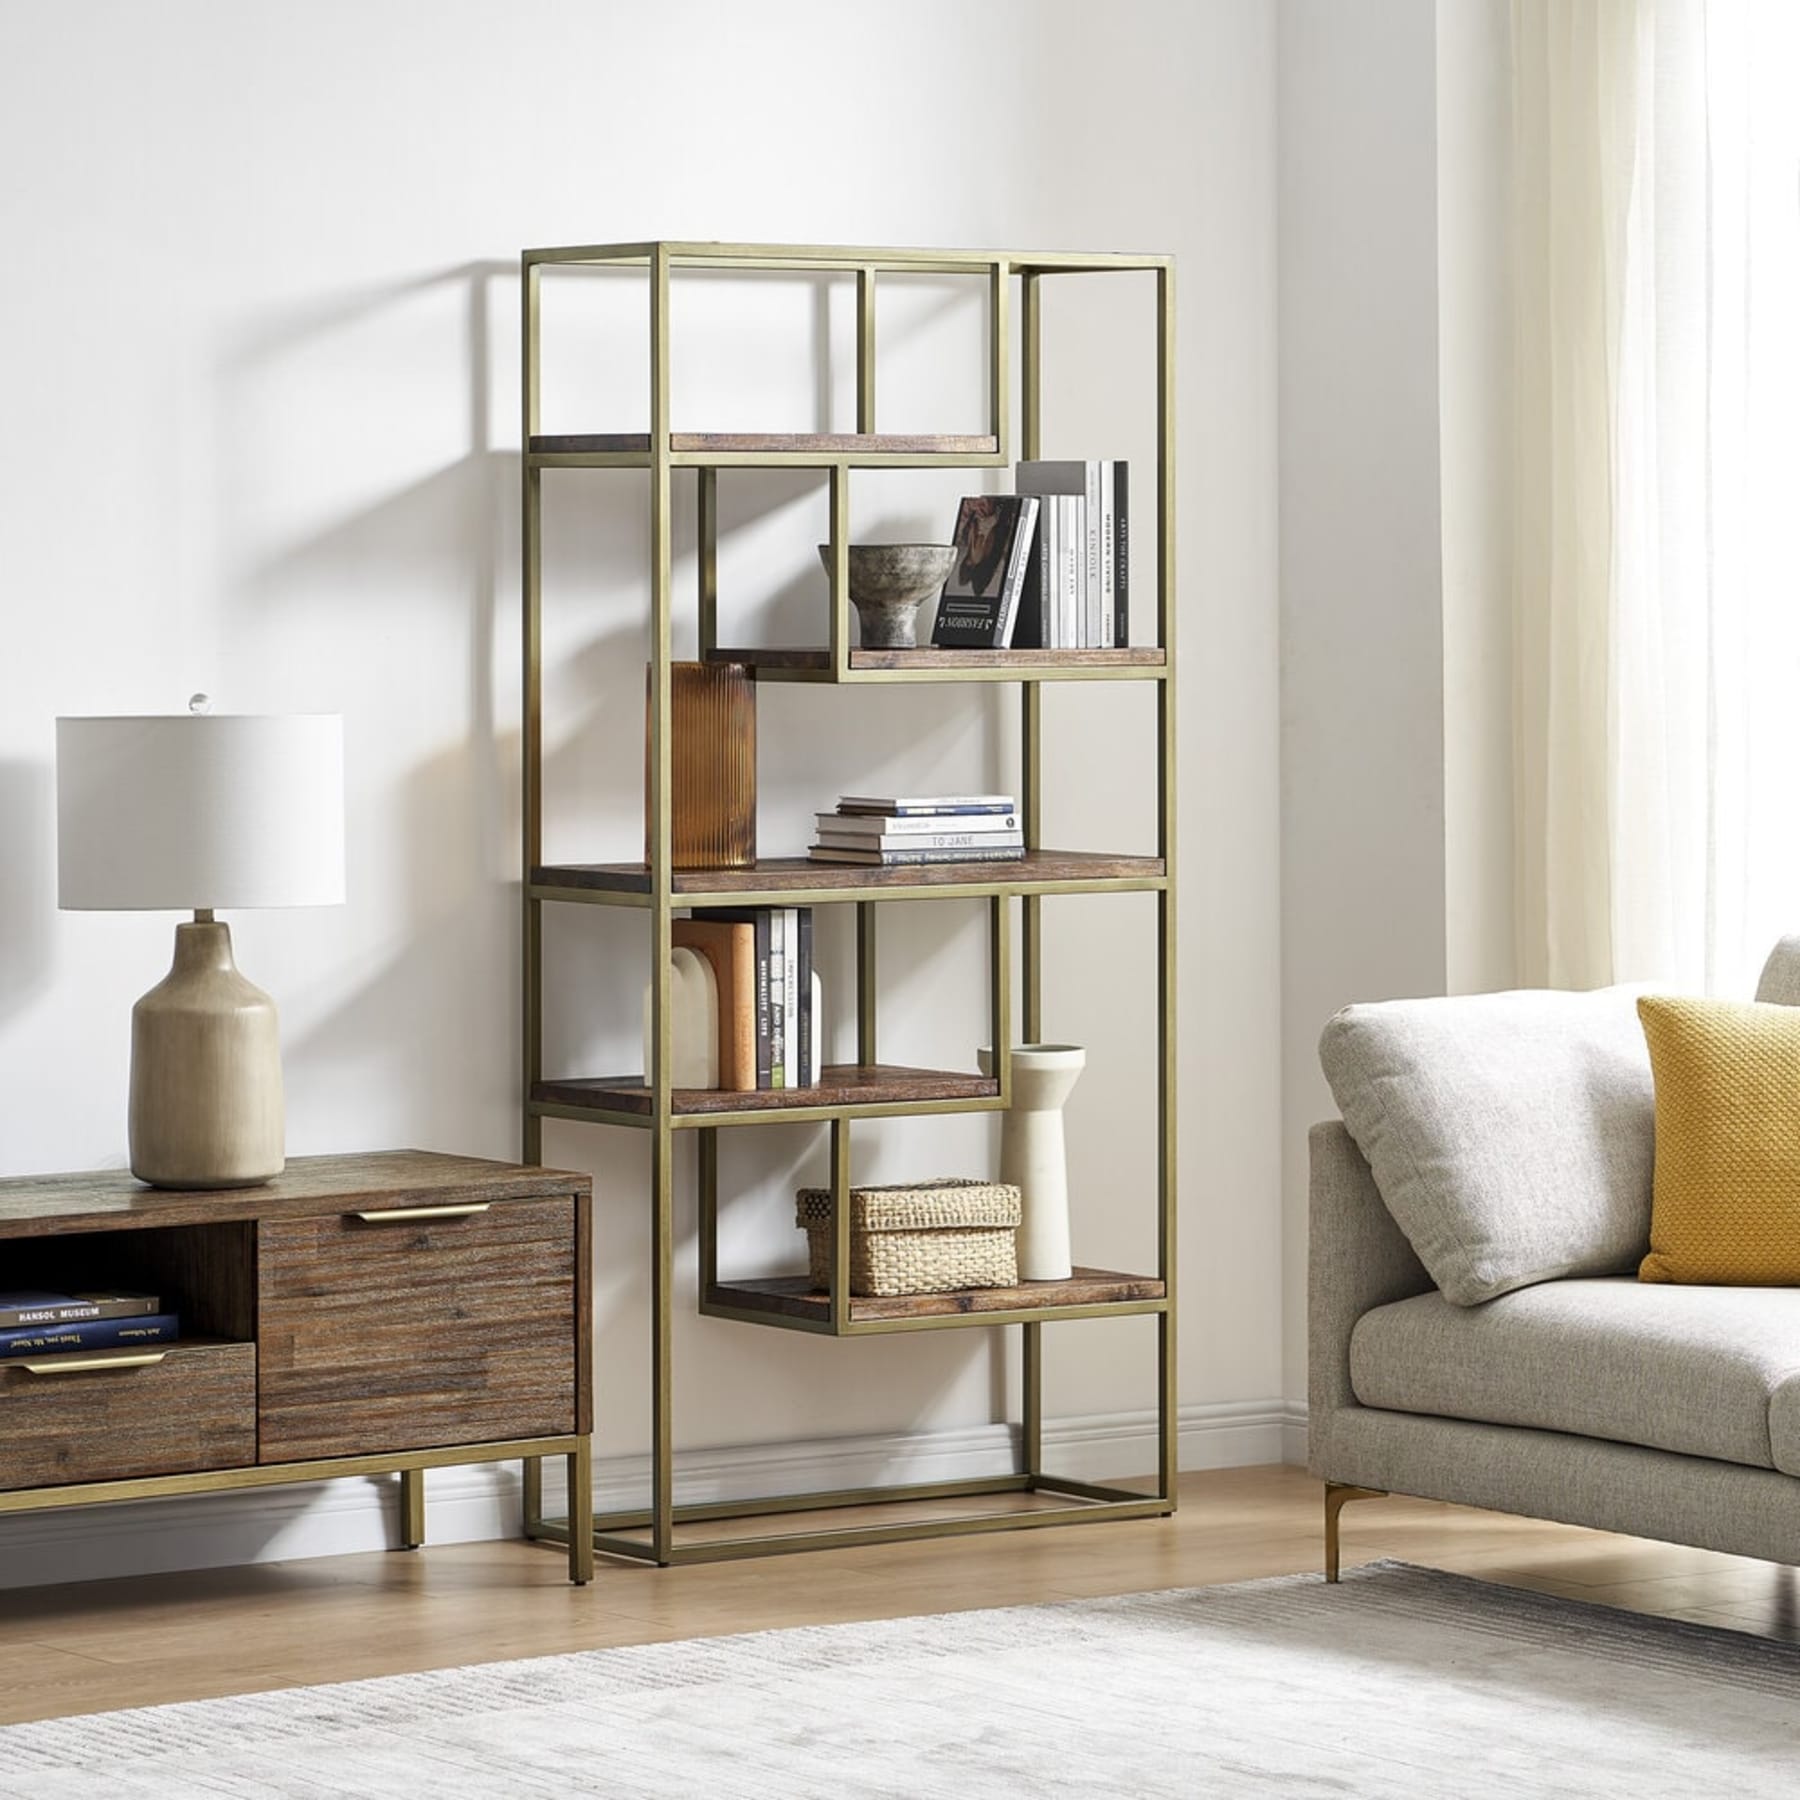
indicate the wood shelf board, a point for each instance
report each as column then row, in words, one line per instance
column 776, row 443
column 780, row 874
column 1015, row 664
column 840, row 1084
column 113, row 1199
column 794, row 1297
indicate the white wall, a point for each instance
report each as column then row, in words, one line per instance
column 1362, row 677
column 1475, row 380
column 260, row 440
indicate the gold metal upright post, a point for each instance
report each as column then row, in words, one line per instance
column 707, row 559
column 1167, row 1175
column 839, row 627
column 531, row 723
column 531, row 769
column 1031, row 802
column 662, row 1291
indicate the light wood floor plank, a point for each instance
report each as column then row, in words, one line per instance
column 151, row 1639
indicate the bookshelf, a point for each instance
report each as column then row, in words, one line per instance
column 668, row 1531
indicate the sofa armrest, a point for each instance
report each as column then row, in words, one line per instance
column 1357, row 1259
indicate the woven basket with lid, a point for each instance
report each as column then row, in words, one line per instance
column 922, row 1237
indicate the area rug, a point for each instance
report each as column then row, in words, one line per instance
column 1397, row 1681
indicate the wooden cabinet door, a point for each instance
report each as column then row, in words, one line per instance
column 423, row 1328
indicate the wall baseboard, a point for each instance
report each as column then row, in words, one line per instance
column 482, row 1500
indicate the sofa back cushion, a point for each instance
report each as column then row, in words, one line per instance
column 1512, row 1135
column 1780, row 984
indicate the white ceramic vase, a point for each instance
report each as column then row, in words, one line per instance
column 1033, row 1156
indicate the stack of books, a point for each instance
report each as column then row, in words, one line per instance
column 1047, row 568
column 891, row 831
column 769, row 1025
column 34, row 1323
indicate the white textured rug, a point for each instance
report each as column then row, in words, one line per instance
column 1399, row 1681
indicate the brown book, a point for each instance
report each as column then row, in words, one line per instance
column 731, row 949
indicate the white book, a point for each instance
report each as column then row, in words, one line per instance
column 898, row 824
column 1074, row 558
column 778, row 986
column 926, row 803
column 1107, row 632
column 790, row 998
column 1083, row 480
column 921, row 840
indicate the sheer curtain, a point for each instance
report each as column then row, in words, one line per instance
column 1657, row 553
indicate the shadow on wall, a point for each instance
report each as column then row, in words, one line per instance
column 418, row 1020
column 27, row 880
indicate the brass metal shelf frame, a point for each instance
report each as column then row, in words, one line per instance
column 652, row 1534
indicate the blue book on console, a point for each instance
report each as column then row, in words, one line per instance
column 90, row 1334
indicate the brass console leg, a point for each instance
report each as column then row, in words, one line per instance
column 531, row 1492
column 412, row 1508
column 581, row 1514
column 1335, row 1496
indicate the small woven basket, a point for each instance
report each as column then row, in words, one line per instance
column 927, row 1237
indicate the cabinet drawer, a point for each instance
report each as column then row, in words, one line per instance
column 405, row 1333
column 195, row 1408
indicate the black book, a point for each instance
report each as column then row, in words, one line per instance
column 980, row 602
column 1121, row 552
column 808, row 1074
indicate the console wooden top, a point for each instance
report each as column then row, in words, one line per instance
column 113, row 1199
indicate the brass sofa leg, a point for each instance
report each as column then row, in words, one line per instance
column 1335, row 1496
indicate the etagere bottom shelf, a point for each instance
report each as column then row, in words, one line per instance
column 932, row 1510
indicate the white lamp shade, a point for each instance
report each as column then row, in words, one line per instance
column 195, row 811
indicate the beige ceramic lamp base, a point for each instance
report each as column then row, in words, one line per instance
column 206, row 1106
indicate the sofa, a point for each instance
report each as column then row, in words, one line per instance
column 1591, row 1399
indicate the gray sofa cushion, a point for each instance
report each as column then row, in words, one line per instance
column 1780, row 983
column 1511, row 1135
column 1689, row 1369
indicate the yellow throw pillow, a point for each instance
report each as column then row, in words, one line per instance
column 1726, row 1206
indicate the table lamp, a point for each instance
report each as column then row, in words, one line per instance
column 201, row 812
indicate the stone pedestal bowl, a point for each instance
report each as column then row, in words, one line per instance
column 888, row 585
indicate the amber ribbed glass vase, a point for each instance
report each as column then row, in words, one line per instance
column 712, row 775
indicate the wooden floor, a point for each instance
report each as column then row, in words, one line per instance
column 136, row 1642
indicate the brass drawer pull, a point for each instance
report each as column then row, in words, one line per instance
column 406, row 1215
column 80, row 1365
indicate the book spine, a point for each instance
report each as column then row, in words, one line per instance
column 74, row 1312
column 898, row 824
column 1028, row 627
column 923, row 810
column 1016, row 565
column 888, row 859
column 89, row 1334
column 922, row 840
column 1074, row 569
column 778, row 997
column 790, row 994
column 803, row 1034
column 1121, row 555
column 765, row 1043
column 1108, row 630
column 1090, row 632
